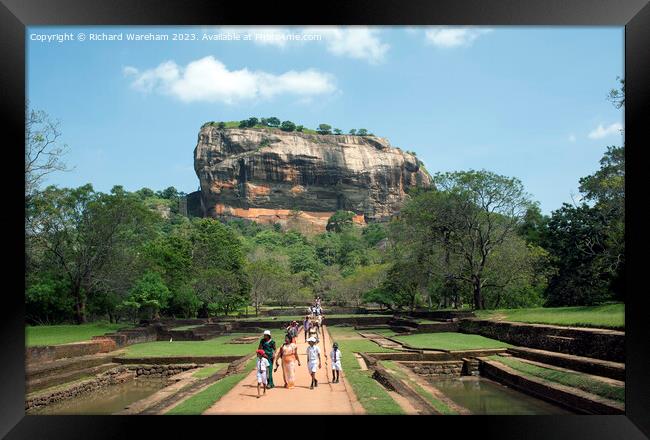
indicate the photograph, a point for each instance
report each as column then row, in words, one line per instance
column 324, row 220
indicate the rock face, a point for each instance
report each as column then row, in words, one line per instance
column 299, row 180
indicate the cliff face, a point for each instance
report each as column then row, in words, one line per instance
column 299, row 180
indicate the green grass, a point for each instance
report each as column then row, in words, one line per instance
column 450, row 341
column 440, row 406
column 64, row 334
column 201, row 401
column 218, row 346
column 371, row 394
column 575, row 380
column 208, row 371
column 606, row 315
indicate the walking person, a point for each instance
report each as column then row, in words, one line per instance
column 268, row 346
column 336, row 362
column 313, row 360
column 289, row 355
column 306, row 325
column 262, row 367
column 294, row 331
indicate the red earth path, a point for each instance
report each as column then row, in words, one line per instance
column 327, row 398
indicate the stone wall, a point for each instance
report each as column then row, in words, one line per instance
column 176, row 360
column 111, row 377
column 133, row 335
column 440, row 314
column 443, row 369
column 40, row 354
column 334, row 310
column 148, row 370
column 594, row 343
column 570, row 398
column 430, row 327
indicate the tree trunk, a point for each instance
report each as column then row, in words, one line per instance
column 478, row 297
column 80, row 311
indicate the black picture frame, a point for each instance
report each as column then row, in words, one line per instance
column 15, row 15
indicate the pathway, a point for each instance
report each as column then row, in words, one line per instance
column 327, row 398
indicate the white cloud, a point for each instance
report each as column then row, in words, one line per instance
column 601, row 132
column 572, row 137
column 209, row 80
column 447, row 37
column 355, row 42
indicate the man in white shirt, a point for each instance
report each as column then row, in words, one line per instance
column 262, row 367
column 336, row 362
column 313, row 359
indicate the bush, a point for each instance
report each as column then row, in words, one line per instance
column 288, row 126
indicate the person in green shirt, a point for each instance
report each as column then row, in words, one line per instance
column 268, row 346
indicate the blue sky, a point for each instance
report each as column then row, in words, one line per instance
column 520, row 101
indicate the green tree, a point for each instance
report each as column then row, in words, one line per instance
column 288, row 126
column 150, row 294
column 169, row 193
column 300, row 128
column 221, row 125
column 273, row 122
column 337, row 131
column 252, row 122
column 576, row 240
column 80, row 230
column 486, row 209
column 324, row 129
column 617, row 96
column 374, row 233
column 43, row 149
column 353, row 131
column 218, row 267
column 339, row 221
column 533, row 225
column 362, row 132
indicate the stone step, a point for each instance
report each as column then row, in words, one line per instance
column 68, row 365
column 65, row 376
column 597, row 367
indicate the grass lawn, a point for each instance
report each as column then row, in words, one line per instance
column 371, row 394
column 450, row 341
column 571, row 379
column 63, row 334
column 218, row 346
column 606, row 315
column 437, row 404
column 203, row 400
column 208, row 371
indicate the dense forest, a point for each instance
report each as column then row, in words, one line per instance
column 476, row 239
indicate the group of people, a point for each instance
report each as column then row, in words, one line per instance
column 315, row 310
column 288, row 353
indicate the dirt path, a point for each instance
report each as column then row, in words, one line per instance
column 335, row 398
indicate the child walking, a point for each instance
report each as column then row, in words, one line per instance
column 313, row 359
column 262, row 368
column 336, row 362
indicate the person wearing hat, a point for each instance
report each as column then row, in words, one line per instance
column 263, row 366
column 267, row 345
column 313, row 359
column 336, row 362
